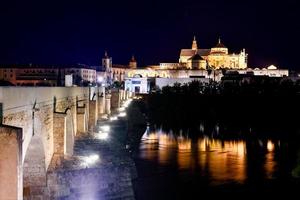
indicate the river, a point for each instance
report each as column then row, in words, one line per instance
column 185, row 165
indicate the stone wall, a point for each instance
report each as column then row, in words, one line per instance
column 115, row 99
column 59, row 132
column 93, row 114
column 48, row 120
column 10, row 163
column 32, row 110
column 35, row 111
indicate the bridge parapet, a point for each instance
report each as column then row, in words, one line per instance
column 39, row 122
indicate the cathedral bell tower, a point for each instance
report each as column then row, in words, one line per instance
column 132, row 63
column 107, row 67
column 106, row 62
column 194, row 45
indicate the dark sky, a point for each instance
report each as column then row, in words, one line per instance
column 69, row 32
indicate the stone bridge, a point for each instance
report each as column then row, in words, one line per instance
column 39, row 125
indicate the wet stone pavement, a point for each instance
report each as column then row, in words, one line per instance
column 101, row 167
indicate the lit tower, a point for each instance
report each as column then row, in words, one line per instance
column 194, row 45
column 107, row 66
column 132, row 63
column 106, row 62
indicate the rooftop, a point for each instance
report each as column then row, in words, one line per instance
column 44, row 66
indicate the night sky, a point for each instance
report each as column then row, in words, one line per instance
column 69, row 32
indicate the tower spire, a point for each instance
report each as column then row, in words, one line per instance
column 132, row 58
column 219, row 41
column 194, row 45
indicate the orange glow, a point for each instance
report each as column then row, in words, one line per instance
column 185, row 160
column 152, row 138
column 223, row 159
column 166, row 142
column 270, row 161
column 270, row 146
column 184, row 144
column 184, row 155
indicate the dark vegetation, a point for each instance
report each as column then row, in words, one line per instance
column 258, row 105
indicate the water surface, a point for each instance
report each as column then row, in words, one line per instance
column 183, row 167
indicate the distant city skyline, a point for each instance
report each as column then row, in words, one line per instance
column 69, row 32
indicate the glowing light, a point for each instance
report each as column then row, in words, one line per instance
column 122, row 114
column 126, row 103
column 270, row 146
column 152, row 137
column 105, row 128
column 100, row 79
column 184, row 143
column 113, row 118
column 272, row 67
column 102, row 135
column 90, row 160
column 121, row 109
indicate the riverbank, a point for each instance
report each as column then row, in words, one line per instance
column 137, row 122
column 257, row 114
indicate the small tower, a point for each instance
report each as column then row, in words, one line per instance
column 132, row 63
column 106, row 62
column 194, row 45
column 107, row 68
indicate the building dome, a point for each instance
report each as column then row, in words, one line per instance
column 220, row 44
column 220, row 48
column 272, row 67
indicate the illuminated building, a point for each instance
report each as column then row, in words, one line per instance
column 198, row 64
column 215, row 58
column 46, row 75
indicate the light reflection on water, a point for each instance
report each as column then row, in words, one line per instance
column 220, row 160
